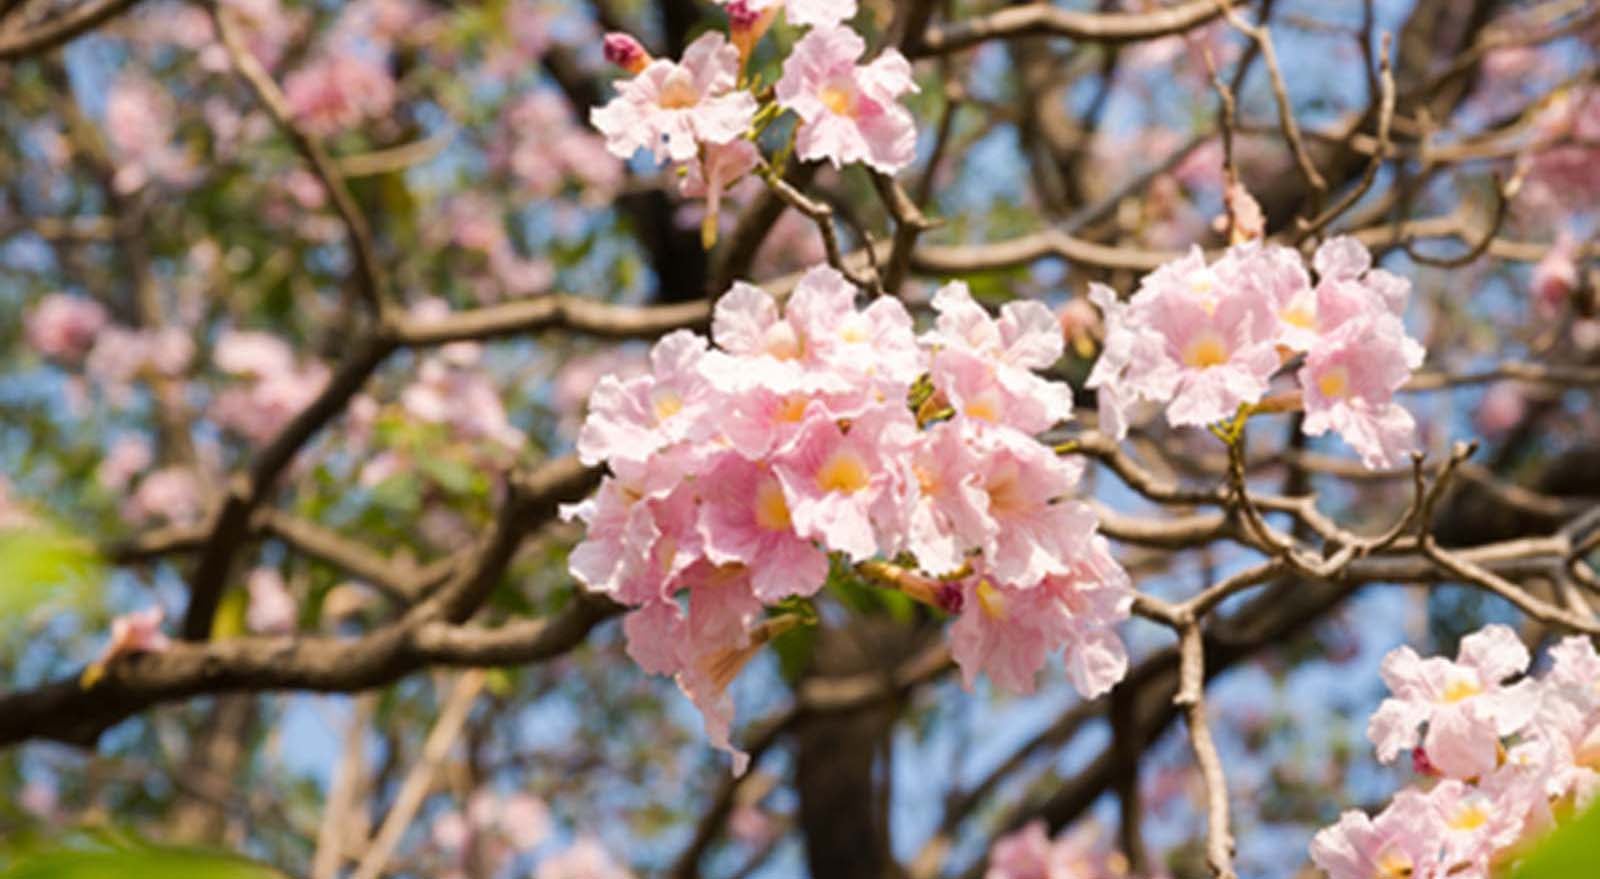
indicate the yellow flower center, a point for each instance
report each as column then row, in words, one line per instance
column 991, row 601
column 1470, row 818
column 1006, row 494
column 1299, row 314
column 1205, row 351
column 783, row 342
column 927, row 479
column 772, row 511
column 678, row 91
column 838, row 99
column 667, row 404
column 854, row 331
column 984, row 408
column 1458, row 690
column 792, row 409
column 844, row 471
column 1394, row 865
column 1335, row 383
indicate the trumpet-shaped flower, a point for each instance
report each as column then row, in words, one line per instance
column 1465, row 705
column 671, row 108
column 849, row 112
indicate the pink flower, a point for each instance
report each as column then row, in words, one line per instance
column 172, row 493
column 949, row 515
column 1501, row 409
column 626, row 52
column 801, row 13
column 745, row 519
column 849, row 112
column 525, row 820
column 709, row 176
column 838, row 483
column 822, row 344
column 1555, row 276
column 1349, row 381
column 63, row 327
column 136, row 632
column 277, row 390
column 129, row 455
column 1009, row 632
column 985, row 366
column 584, row 859
column 272, row 609
column 1403, row 842
column 1465, row 704
column 464, row 398
column 339, row 89
column 140, row 128
column 633, row 419
column 671, row 109
column 1193, row 333
column 702, row 649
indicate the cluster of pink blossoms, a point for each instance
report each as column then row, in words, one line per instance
column 1206, row 339
column 1506, row 755
column 823, row 429
column 695, row 113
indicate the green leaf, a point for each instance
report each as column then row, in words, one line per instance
column 1570, row 852
column 108, row 860
column 40, row 564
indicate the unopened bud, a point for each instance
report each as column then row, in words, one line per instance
column 626, row 52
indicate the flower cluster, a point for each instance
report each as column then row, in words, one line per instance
column 826, row 429
column 1205, row 340
column 1030, row 853
column 697, row 114
column 1506, row 754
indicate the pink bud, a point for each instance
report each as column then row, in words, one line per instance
column 741, row 16
column 626, row 52
column 1421, row 765
column 1556, row 275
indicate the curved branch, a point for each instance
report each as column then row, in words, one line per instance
column 1044, row 19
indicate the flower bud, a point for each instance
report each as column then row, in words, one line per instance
column 626, row 52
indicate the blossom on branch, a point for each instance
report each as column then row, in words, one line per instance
column 849, row 112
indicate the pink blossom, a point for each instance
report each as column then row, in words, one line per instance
column 136, row 632
column 1009, row 632
column 801, row 13
column 1349, row 382
column 525, row 820
column 584, row 859
column 1501, row 409
column 252, row 354
column 63, row 327
column 709, row 176
column 849, row 112
column 276, row 389
column 129, row 455
column 546, row 147
column 836, row 482
column 633, row 419
column 120, row 355
column 338, row 90
column 1466, row 705
column 465, row 399
column 171, row 493
column 745, row 519
column 949, row 515
column 272, row 609
column 13, row 515
column 985, row 366
column 140, row 128
column 671, row 108
column 626, row 52
column 1402, row 841
column 1555, row 276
